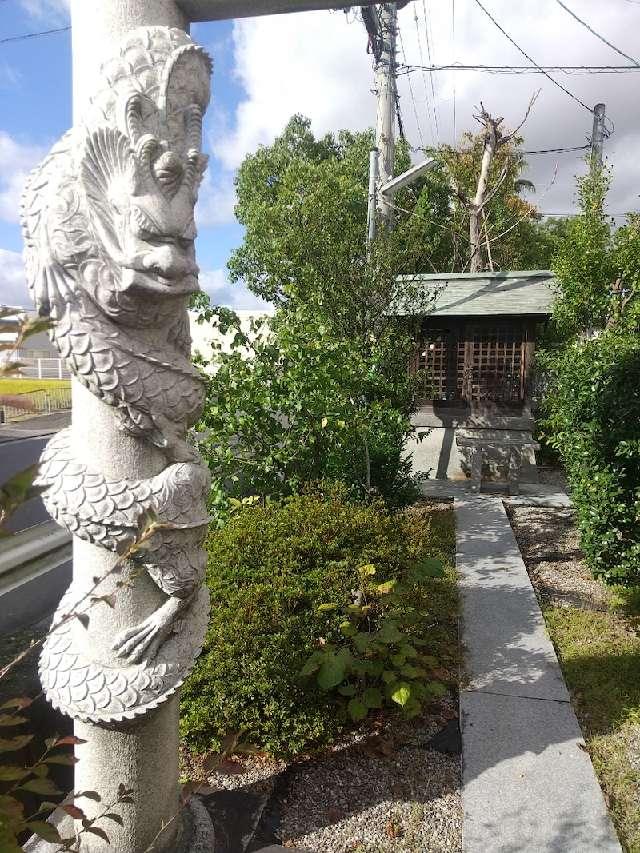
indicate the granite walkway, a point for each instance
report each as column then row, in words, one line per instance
column 528, row 783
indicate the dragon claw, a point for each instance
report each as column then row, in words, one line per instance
column 143, row 641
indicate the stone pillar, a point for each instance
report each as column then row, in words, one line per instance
column 109, row 235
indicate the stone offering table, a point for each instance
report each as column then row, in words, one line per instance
column 481, row 441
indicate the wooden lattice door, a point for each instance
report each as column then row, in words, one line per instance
column 439, row 362
column 495, row 363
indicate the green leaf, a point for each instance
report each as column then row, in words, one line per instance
column 326, row 608
column 410, row 671
column 347, row 628
column 412, row 708
column 41, row 786
column 386, row 588
column 312, row 665
column 388, row 676
column 11, row 773
column 332, row 671
column 19, row 703
column 362, row 641
column 427, row 568
column 435, row 689
column 7, row 720
column 44, row 830
column 91, row 795
column 401, row 693
column 61, row 759
column 356, row 710
column 367, row 570
column 15, row 743
column 372, row 697
column 347, row 690
column 389, row 633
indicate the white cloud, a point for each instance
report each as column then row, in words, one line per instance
column 316, row 63
column 13, row 282
column 222, row 292
column 216, row 199
column 51, row 11
column 313, row 63
column 17, row 161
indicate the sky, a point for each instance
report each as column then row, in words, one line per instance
column 316, row 63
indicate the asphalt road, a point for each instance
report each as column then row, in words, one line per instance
column 15, row 456
column 39, row 597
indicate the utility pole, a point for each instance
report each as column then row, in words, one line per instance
column 382, row 27
column 385, row 76
column 597, row 137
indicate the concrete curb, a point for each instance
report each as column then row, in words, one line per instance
column 32, row 552
column 528, row 784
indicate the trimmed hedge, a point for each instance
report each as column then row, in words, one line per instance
column 593, row 420
column 270, row 570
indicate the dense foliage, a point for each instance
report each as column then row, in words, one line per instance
column 593, row 401
column 295, row 404
column 281, row 577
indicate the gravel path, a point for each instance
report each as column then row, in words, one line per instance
column 549, row 543
column 388, row 793
column 388, row 789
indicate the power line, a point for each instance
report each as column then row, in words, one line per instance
column 531, row 60
column 453, row 42
column 35, row 35
column 424, row 76
column 596, row 34
column 557, row 150
column 433, row 89
column 406, row 68
column 413, row 100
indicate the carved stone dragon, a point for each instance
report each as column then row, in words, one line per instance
column 108, row 223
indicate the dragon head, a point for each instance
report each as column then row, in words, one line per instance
column 110, row 212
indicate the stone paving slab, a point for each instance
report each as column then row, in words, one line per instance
column 507, row 647
column 482, row 528
column 531, row 494
column 527, row 784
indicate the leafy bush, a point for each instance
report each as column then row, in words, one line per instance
column 271, row 570
column 295, row 404
column 593, row 419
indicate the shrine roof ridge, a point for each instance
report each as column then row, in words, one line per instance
column 485, row 294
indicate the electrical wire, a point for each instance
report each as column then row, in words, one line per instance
column 35, row 35
column 424, row 76
column 557, row 150
column 413, row 100
column 406, row 68
column 453, row 42
column 597, row 34
column 531, row 60
column 433, row 88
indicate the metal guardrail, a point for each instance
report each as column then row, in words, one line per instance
column 35, row 366
column 40, row 401
column 31, row 553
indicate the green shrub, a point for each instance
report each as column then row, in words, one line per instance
column 593, row 420
column 271, row 568
column 295, row 404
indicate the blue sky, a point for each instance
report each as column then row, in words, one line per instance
column 267, row 69
column 35, row 110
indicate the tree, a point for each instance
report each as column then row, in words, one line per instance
column 303, row 202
